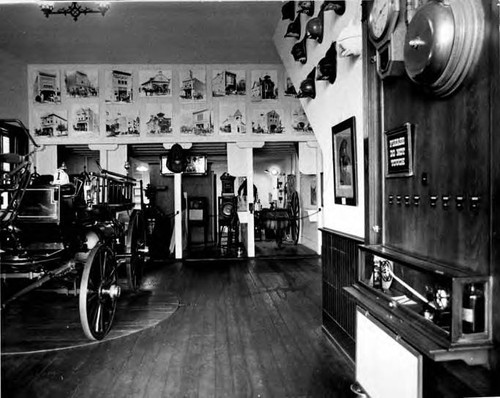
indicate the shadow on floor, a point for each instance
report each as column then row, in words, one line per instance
column 263, row 249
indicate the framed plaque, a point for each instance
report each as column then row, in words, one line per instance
column 399, row 151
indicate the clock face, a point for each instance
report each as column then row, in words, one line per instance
column 381, row 16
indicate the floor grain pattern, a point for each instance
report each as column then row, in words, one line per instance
column 243, row 329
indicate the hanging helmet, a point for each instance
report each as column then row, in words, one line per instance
column 299, row 51
column 293, row 29
column 327, row 66
column 288, row 10
column 314, row 28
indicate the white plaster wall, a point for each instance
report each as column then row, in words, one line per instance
column 333, row 104
column 13, row 87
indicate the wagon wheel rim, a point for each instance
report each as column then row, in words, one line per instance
column 99, row 292
column 295, row 219
column 136, row 245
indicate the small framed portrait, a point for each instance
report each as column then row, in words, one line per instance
column 344, row 162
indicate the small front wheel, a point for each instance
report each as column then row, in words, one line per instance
column 99, row 292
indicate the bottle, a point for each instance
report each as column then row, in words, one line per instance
column 377, row 278
column 472, row 310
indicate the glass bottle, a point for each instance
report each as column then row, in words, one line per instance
column 472, row 309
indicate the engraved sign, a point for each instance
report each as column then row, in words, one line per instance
column 399, row 155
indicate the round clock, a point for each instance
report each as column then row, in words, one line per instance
column 382, row 20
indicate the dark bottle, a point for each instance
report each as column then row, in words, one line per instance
column 472, row 310
column 377, row 277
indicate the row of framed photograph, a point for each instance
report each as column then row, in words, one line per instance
column 83, row 121
column 104, row 101
column 125, row 84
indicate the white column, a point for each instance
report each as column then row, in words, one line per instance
column 106, row 151
column 250, row 200
column 240, row 163
column 319, row 190
column 46, row 159
column 117, row 158
column 178, row 227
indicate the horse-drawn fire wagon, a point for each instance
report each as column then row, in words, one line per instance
column 79, row 235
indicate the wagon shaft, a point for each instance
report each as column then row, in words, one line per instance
column 44, row 278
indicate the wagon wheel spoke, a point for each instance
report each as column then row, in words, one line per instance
column 136, row 244
column 295, row 217
column 99, row 292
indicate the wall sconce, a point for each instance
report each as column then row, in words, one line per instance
column 74, row 9
column 299, row 51
column 349, row 40
column 308, row 86
column 337, row 6
column 273, row 171
column 293, row 29
column 288, row 10
column 306, row 7
column 327, row 66
column 314, row 27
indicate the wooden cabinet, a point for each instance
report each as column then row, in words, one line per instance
column 426, row 303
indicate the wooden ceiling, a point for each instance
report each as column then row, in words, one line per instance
column 151, row 152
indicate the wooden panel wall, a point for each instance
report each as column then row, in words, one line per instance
column 339, row 257
column 452, row 146
column 457, row 146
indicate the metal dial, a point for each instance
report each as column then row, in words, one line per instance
column 382, row 16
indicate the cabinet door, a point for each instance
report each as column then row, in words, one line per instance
column 386, row 367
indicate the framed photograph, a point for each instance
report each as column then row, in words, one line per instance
column 344, row 161
column 399, row 151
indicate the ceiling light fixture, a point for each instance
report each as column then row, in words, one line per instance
column 74, row 9
column 142, row 168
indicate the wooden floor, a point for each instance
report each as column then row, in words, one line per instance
column 44, row 321
column 247, row 328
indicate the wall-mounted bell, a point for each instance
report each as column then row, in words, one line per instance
column 308, row 86
column 293, row 29
column 327, row 66
column 306, row 7
column 314, row 28
column 337, row 6
column 299, row 51
column 288, row 10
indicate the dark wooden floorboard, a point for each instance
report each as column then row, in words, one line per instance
column 243, row 329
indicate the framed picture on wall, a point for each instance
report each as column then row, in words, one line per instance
column 344, row 162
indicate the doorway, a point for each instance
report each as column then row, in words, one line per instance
column 278, row 210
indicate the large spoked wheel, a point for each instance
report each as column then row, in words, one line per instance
column 99, row 292
column 136, row 248
column 295, row 217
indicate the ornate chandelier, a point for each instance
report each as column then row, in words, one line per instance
column 74, row 9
